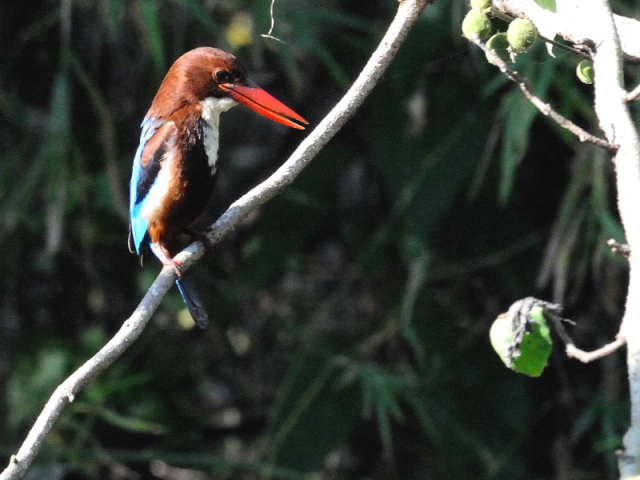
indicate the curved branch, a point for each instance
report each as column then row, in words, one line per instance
column 408, row 13
column 544, row 108
column 574, row 352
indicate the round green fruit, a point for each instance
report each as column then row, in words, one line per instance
column 584, row 71
column 522, row 34
column 476, row 24
column 500, row 46
column 480, row 4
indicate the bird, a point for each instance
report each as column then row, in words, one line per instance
column 175, row 164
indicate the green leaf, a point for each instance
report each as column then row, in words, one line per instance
column 518, row 115
column 148, row 9
column 521, row 337
column 204, row 19
column 32, row 381
column 535, row 347
column 382, row 392
column 131, row 424
column 313, row 414
column 548, row 5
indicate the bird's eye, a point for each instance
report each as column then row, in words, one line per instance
column 222, row 76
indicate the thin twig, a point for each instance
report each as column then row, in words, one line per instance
column 633, row 94
column 619, row 248
column 408, row 13
column 566, row 48
column 575, row 352
column 586, row 357
column 273, row 22
column 544, row 108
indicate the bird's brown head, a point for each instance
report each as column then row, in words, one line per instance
column 207, row 72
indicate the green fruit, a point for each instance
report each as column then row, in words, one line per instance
column 481, row 4
column 476, row 24
column 500, row 46
column 585, row 72
column 522, row 34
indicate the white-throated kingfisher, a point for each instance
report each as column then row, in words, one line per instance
column 175, row 165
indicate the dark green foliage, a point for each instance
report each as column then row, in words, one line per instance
column 350, row 315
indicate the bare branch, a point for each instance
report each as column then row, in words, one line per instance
column 408, row 12
column 633, row 94
column 586, row 357
column 544, row 108
column 575, row 352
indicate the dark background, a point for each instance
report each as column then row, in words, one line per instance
column 350, row 315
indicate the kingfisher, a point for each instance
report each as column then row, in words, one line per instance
column 175, row 165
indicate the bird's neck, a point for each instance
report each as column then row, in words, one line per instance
column 211, row 110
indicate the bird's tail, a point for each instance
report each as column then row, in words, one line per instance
column 191, row 297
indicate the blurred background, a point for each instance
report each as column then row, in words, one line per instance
column 350, row 315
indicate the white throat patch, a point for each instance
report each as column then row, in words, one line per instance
column 211, row 110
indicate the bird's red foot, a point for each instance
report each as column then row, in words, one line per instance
column 160, row 252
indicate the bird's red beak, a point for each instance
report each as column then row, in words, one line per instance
column 261, row 102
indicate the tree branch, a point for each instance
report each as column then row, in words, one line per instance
column 633, row 94
column 544, row 108
column 574, row 352
column 587, row 357
column 611, row 107
column 408, row 13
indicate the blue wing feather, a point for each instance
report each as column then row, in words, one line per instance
column 139, row 174
column 144, row 175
